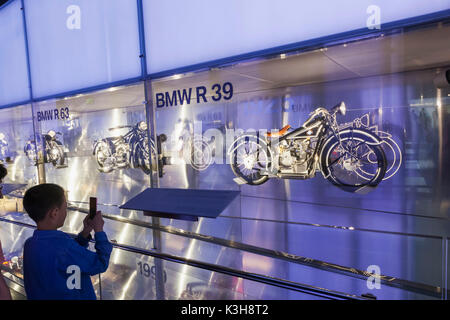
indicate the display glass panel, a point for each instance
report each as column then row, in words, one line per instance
column 339, row 153
column 12, row 238
column 16, row 128
column 96, row 145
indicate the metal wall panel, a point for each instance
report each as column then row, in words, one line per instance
column 304, row 217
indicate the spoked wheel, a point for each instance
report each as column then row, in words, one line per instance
column 30, row 152
column 56, row 155
column 249, row 158
column 393, row 154
column 355, row 162
column 201, row 154
column 104, row 157
column 142, row 155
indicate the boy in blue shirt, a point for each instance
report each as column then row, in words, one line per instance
column 55, row 266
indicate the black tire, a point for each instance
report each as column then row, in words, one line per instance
column 50, row 158
column 141, row 155
column 62, row 155
column 359, row 162
column 251, row 176
column 140, row 158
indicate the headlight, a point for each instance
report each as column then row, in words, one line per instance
column 142, row 126
column 339, row 108
column 342, row 108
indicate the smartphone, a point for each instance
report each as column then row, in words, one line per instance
column 92, row 207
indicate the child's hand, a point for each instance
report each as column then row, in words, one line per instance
column 88, row 226
column 98, row 222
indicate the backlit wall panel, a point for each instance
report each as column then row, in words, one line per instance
column 182, row 33
column 77, row 44
column 13, row 61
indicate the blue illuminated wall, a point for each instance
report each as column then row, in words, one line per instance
column 83, row 45
column 77, row 44
column 13, row 61
column 181, row 33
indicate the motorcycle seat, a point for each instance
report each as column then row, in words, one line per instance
column 279, row 133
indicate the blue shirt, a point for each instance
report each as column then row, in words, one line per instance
column 49, row 258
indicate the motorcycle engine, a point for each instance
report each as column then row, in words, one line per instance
column 122, row 150
column 293, row 157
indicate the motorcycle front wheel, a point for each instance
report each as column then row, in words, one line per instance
column 58, row 155
column 355, row 162
column 103, row 155
column 248, row 158
column 141, row 157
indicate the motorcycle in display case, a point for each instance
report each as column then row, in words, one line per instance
column 194, row 149
column 54, row 151
column 5, row 155
column 130, row 150
column 14, row 262
column 350, row 158
column 390, row 147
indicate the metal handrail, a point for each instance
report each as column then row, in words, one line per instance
column 421, row 288
column 390, row 281
column 276, row 282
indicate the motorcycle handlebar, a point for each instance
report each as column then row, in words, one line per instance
column 120, row 127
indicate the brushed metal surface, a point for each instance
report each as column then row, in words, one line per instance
column 397, row 227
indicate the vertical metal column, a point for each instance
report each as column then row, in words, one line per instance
column 154, row 183
column 40, row 166
column 446, row 270
column 151, row 131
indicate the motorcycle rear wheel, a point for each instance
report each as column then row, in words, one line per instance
column 355, row 163
column 61, row 155
column 141, row 158
column 248, row 157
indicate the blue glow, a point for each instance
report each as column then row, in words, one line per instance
column 75, row 44
column 81, row 45
column 13, row 63
column 182, row 33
